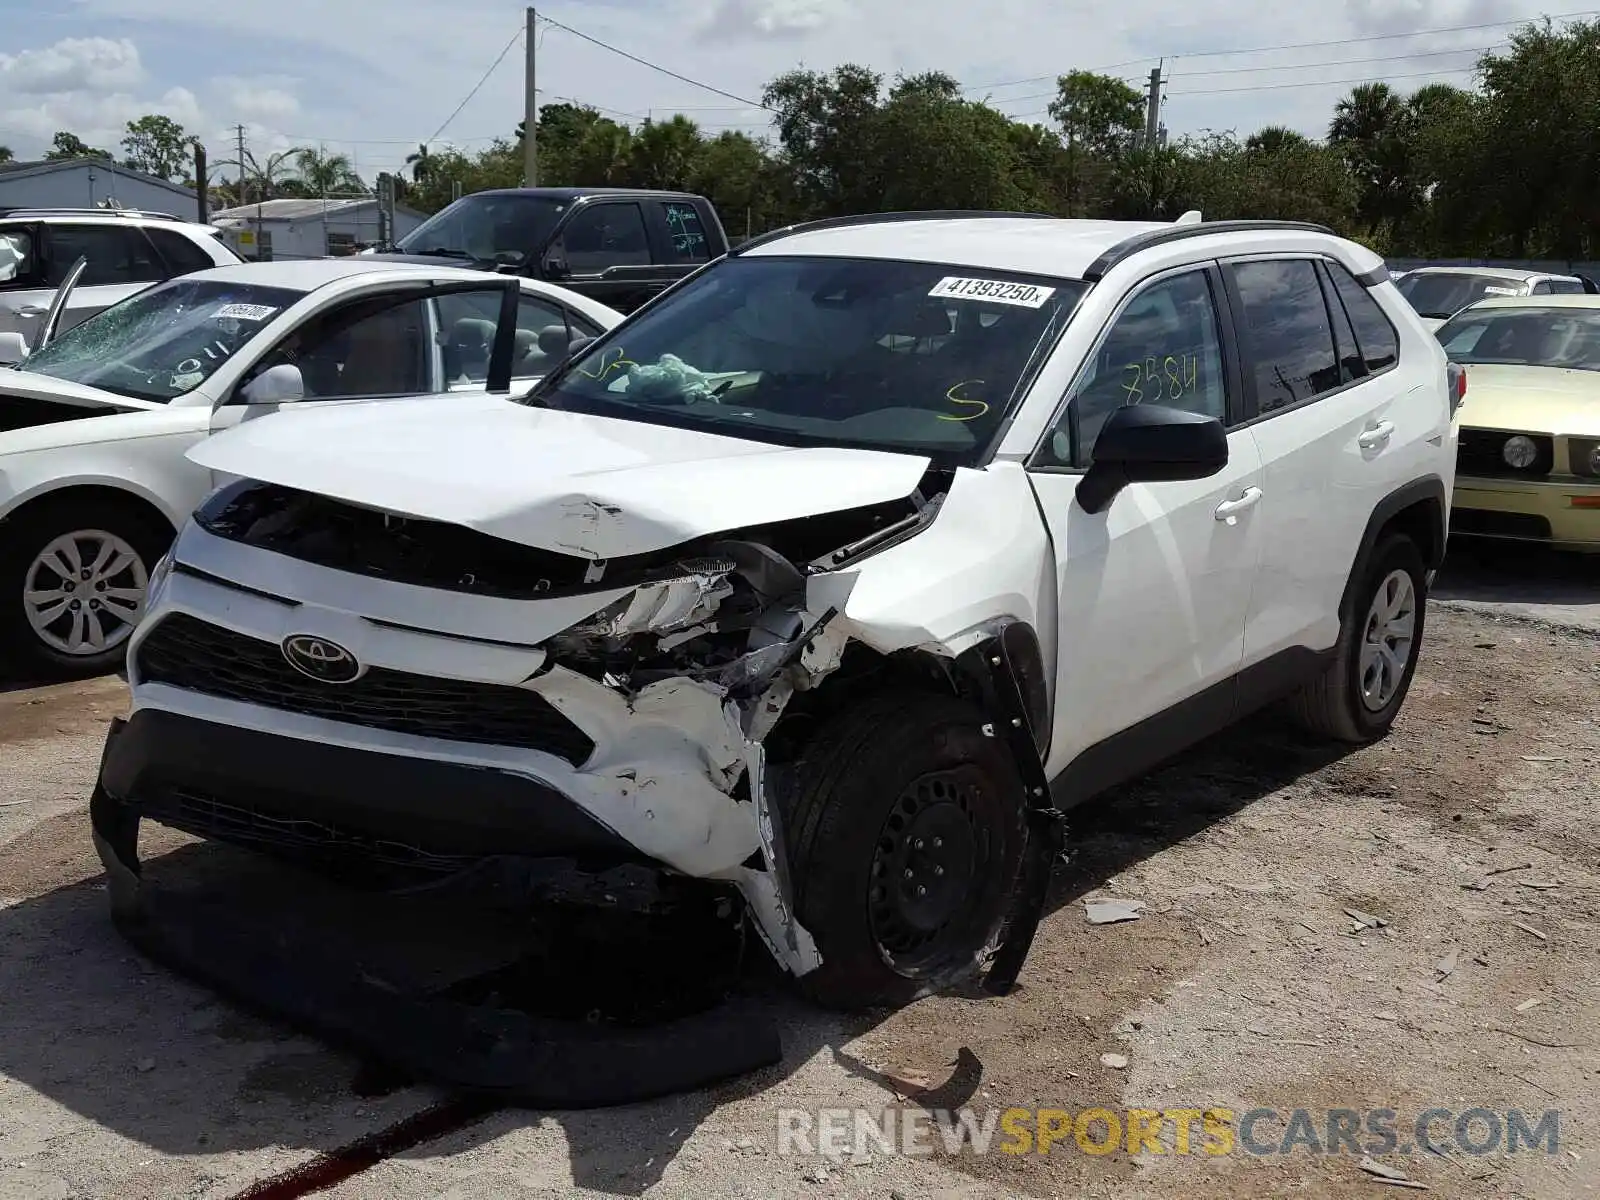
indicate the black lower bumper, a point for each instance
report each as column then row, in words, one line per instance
column 513, row 1055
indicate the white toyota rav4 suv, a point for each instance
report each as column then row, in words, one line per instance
column 837, row 573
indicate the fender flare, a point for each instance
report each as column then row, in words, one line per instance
column 1429, row 488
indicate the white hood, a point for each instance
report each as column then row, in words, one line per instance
column 590, row 486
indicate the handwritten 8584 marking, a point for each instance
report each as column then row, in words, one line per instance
column 1157, row 379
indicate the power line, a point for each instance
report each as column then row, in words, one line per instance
column 653, row 66
column 1343, row 62
column 1345, row 41
column 1270, row 87
column 515, row 38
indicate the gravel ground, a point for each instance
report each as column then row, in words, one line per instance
column 1245, row 984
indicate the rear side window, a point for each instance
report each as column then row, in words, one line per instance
column 688, row 234
column 1287, row 338
column 1379, row 343
column 1564, row 287
column 1351, row 364
column 182, row 255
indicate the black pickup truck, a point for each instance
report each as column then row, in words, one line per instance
column 619, row 246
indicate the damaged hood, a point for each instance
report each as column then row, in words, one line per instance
column 32, row 386
column 595, row 487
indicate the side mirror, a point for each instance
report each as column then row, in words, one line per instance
column 13, row 349
column 276, row 385
column 1148, row 443
column 555, row 267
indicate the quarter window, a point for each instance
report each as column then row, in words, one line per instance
column 688, row 234
column 181, row 254
column 1380, row 344
column 1286, row 335
column 1163, row 348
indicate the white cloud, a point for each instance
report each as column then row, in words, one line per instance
column 782, row 19
column 266, row 97
column 93, row 64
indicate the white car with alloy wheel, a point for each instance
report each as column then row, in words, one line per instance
column 96, row 422
column 834, row 574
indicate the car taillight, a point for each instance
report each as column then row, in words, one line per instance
column 1458, row 385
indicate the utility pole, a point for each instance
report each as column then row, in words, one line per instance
column 239, row 131
column 530, row 109
column 1152, row 131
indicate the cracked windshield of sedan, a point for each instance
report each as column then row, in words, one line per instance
column 166, row 341
column 878, row 354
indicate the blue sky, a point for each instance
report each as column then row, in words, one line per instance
column 371, row 79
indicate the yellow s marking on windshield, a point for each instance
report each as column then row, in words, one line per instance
column 607, row 367
column 955, row 399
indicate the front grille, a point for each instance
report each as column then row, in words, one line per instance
column 188, row 653
column 1488, row 523
column 1481, row 455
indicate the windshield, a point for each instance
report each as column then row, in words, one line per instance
column 162, row 342
column 1445, row 295
column 506, row 227
column 827, row 351
column 1541, row 337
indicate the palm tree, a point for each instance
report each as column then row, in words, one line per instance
column 323, row 173
column 1275, row 138
column 421, row 163
column 1372, row 127
column 266, row 176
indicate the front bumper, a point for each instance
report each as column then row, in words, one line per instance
column 1561, row 513
column 154, row 759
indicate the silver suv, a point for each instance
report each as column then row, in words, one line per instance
column 127, row 251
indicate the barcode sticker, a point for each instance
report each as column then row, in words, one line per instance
column 1502, row 291
column 996, row 291
column 245, row 312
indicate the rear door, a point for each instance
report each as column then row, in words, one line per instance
column 122, row 262
column 1324, row 400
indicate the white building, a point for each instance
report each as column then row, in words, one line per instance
column 307, row 228
column 90, row 183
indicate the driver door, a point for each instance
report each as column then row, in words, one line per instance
column 1153, row 593
column 380, row 344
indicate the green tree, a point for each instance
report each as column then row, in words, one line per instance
column 826, row 127
column 1372, row 128
column 421, row 162
column 1101, row 118
column 664, row 154
column 157, row 145
column 6, row 155
column 325, row 174
column 68, row 145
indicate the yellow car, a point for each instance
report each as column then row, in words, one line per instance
column 1528, row 465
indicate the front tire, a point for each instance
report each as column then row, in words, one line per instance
column 1358, row 697
column 906, row 835
column 73, row 577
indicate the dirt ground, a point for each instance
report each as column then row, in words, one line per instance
column 1470, row 833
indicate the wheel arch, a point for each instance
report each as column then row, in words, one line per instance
column 88, row 491
column 1418, row 509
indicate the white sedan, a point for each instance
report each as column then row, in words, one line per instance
column 94, row 425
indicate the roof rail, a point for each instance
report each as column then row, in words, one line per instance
column 937, row 214
column 1097, row 270
column 52, row 211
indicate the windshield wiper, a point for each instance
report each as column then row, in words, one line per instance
column 438, row 252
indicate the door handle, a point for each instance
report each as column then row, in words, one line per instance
column 1376, row 436
column 1229, row 510
column 32, row 310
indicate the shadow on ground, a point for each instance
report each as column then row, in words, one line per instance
column 129, row 1048
column 1510, row 573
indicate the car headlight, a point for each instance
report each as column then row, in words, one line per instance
column 1519, row 452
column 1584, row 454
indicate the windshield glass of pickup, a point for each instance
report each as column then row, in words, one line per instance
column 501, row 227
column 879, row 354
column 163, row 342
column 1566, row 338
column 1445, row 295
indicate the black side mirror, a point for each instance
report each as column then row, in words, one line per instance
column 555, row 267
column 1148, row 443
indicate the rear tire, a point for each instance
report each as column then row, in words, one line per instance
column 1358, row 697
column 906, row 834
column 87, row 553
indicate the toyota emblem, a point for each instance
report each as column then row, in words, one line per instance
column 318, row 658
